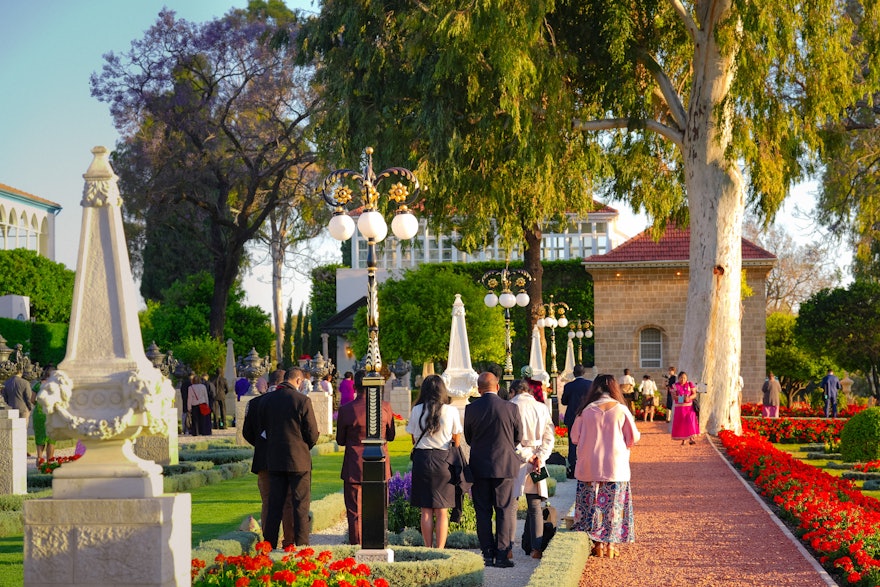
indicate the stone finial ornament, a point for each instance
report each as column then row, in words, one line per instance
column 105, row 391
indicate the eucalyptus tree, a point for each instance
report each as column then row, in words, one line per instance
column 518, row 110
column 220, row 119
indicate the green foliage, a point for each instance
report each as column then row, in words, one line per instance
column 202, row 354
column 48, row 284
column 794, row 365
column 424, row 566
column 218, row 456
column 416, row 312
column 44, row 343
column 844, row 324
column 563, row 561
column 860, row 437
column 185, row 314
column 298, row 341
column 285, row 361
column 322, row 304
column 16, row 332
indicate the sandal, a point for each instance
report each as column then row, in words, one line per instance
column 613, row 552
column 599, row 550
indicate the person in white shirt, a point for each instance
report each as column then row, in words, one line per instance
column 650, row 399
column 627, row 387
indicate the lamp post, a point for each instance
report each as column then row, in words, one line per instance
column 518, row 278
column 373, row 227
column 580, row 329
column 553, row 316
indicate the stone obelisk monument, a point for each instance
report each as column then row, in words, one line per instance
column 108, row 522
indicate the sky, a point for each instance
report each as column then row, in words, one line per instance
column 49, row 122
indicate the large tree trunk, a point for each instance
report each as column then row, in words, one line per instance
column 711, row 344
column 226, row 266
column 277, row 253
column 532, row 264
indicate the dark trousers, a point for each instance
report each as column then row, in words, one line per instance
column 534, row 520
column 286, row 515
column 219, row 413
column 299, row 483
column 830, row 406
column 351, row 493
column 572, row 457
column 201, row 425
column 494, row 495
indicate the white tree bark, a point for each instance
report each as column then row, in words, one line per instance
column 276, row 247
column 711, row 344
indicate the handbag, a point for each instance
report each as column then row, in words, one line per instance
column 539, row 475
column 204, row 409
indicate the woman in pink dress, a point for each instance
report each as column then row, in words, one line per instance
column 685, row 423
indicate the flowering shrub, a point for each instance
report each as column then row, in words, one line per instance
column 869, row 467
column 301, row 568
column 835, row 519
column 787, row 430
column 561, row 432
column 402, row 514
column 799, row 410
column 48, row 467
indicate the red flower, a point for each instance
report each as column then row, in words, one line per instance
column 243, row 582
column 263, row 547
column 380, row 582
column 319, row 583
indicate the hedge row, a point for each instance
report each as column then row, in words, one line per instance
column 563, row 562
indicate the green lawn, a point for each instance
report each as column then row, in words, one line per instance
column 798, row 451
column 220, row 508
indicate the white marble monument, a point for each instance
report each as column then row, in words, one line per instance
column 459, row 376
column 13, row 453
column 108, row 522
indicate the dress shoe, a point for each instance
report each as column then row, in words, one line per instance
column 536, row 553
column 503, row 563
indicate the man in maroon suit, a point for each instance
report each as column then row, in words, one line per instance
column 351, row 430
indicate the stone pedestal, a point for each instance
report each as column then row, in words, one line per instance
column 92, row 542
column 13, row 453
column 240, row 409
column 322, row 403
column 163, row 450
column 400, row 401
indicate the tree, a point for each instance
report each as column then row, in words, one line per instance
column 48, row 284
column 844, row 324
column 793, row 364
column 215, row 119
column 515, row 110
column 322, row 303
column 416, row 315
column 285, row 361
column 800, row 270
column 185, row 314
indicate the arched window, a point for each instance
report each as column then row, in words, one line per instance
column 650, row 348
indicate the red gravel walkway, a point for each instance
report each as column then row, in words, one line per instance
column 697, row 525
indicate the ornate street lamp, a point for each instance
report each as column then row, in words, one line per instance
column 507, row 281
column 580, row 329
column 252, row 367
column 553, row 316
column 373, row 227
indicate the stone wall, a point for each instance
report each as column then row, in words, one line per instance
column 627, row 301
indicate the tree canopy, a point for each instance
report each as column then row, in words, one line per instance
column 48, row 284
column 213, row 118
column 794, row 365
column 416, row 313
column 518, row 111
column 844, row 324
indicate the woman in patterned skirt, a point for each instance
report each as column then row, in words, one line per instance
column 604, row 430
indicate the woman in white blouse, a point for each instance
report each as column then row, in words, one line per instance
column 535, row 448
column 436, row 430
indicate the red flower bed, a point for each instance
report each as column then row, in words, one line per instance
column 839, row 523
column 295, row 568
column 799, row 410
column 795, row 431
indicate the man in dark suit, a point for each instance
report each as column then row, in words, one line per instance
column 351, row 430
column 574, row 392
column 493, row 429
column 255, row 433
column 291, row 431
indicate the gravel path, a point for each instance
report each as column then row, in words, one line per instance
column 698, row 525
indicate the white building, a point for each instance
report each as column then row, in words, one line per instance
column 27, row 222
column 594, row 234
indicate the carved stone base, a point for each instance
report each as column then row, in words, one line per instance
column 240, row 408
column 92, row 542
column 322, row 403
column 163, row 450
column 400, row 401
column 365, row 555
column 108, row 469
column 13, row 453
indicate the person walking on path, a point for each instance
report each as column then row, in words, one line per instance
column 685, row 424
column 772, row 392
column 351, row 431
column 291, row 431
column 254, row 432
column 346, row 389
column 436, row 430
column 604, row 431
column 573, row 395
column 493, row 429
column 648, row 393
column 199, row 405
column 18, row 395
column 830, row 386
column 535, row 448
column 628, row 389
column 219, row 408
column 671, row 380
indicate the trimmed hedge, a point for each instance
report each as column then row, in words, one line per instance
column 218, row 456
column 423, row 566
column 456, row 540
column 327, row 512
column 200, row 478
column 230, row 544
column 563, row 562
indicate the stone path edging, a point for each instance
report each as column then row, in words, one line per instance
column 829, row 582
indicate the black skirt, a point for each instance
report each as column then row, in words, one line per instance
column 435, row 474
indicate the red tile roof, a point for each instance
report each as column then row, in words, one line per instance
column 38, row 199
column 673, row 246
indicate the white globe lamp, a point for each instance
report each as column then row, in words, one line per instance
column 491, row 300
column 563, row 322
column 373, row 226
column 522, row 299
column 507, row 300
column 341, row 226
column 405, row 225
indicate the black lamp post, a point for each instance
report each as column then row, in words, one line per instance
column 504, row 279
column 373, row 227
column 580, row 329
column 553, row 316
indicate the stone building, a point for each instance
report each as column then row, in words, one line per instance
column 27, row 222
column 640, row 293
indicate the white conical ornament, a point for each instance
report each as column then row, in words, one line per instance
column 536, row 359
column 459, row 376
column 105, row 391
column 568, row 373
